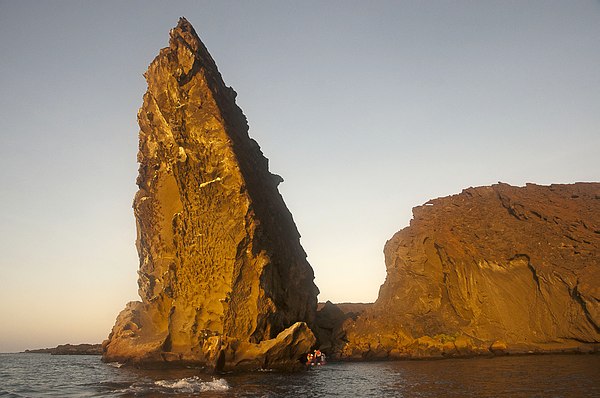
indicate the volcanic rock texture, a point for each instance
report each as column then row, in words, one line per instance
column 500, row 269
column 221, row 265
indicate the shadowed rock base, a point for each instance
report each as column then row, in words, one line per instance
column 216, row 353
column 285, row 352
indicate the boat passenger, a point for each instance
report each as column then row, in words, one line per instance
column 318, row 357
column 309, row 359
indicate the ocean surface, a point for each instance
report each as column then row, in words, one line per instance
column 44, row 375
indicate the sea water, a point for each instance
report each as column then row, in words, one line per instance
column 43, row 375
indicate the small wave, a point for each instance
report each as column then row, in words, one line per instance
column 193, row 385
column 135, row 388
column 11, row 394
column 115, row 364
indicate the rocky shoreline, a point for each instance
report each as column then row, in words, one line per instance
column 69, row 349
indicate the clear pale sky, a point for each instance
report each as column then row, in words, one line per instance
column 366, row 109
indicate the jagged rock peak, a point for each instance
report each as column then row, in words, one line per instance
column 184, row 34
column 185, row 30
column 221, row 265
column 184, row 25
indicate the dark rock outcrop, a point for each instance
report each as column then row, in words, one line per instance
column 70, row 349
column 220, row 256
column 495, row 269
column 331, row 319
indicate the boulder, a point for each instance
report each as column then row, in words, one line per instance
column 284, row 352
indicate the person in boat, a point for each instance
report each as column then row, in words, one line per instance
column 323, row 358
column 309, row 359
column 318, row 357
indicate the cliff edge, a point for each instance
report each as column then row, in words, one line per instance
column 223, row 279
column 494, row 269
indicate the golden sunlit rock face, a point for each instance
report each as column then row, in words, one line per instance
column 492, row 270
column 222, row 272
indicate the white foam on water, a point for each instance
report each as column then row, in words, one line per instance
column 115, row 364
column 135, row 388
column 193, row 384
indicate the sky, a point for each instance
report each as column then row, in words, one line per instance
column 365, row 108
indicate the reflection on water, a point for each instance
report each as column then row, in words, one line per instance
column 38, row 375
column 527, row 376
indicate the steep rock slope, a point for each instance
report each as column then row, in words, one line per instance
column 500, row 268
column 331, row 319
column 221, row 265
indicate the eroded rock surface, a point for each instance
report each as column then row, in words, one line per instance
column 220, row 257
column 494, row 269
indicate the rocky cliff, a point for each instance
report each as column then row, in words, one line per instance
column 492, row 269
column 222, row 272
